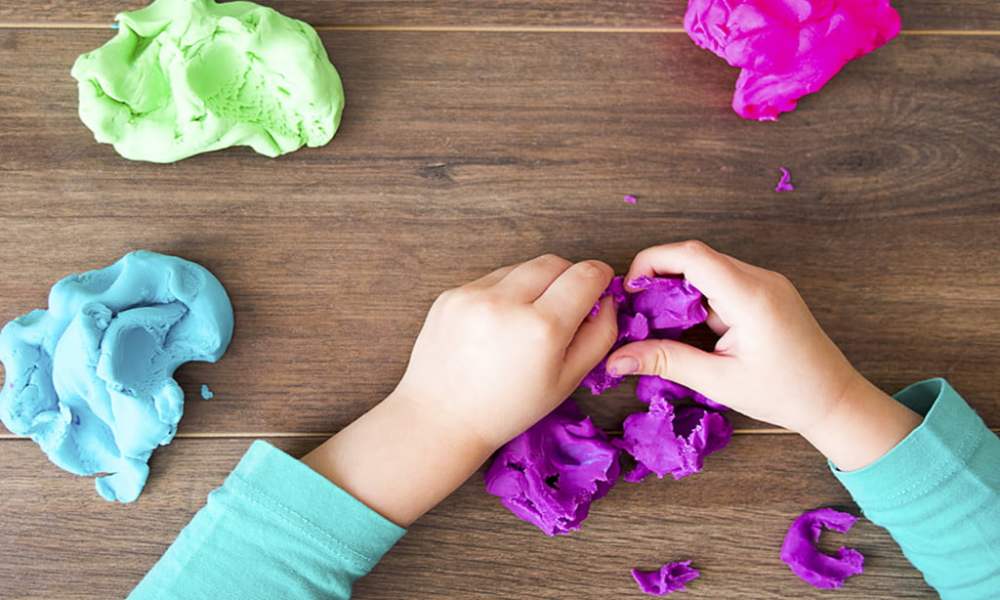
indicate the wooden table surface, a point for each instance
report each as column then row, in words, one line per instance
column 482, row 132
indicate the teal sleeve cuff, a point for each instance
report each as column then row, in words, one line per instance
column 274, row 529
column 309, row 500
column 950, row 433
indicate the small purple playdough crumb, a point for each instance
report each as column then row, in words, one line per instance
column 673, row 440
column 630, row 199
column 550, row 474
column 785, row 184
column 668, row 579
column 800, row 553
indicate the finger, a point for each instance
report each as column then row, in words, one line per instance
column 491, row 279
column 571, row 297
column 592, row 342
column 715, row 323
column 699, row 370
column 708, row 270
column 529, row 280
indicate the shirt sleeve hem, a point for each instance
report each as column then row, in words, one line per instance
column 950, row 433
column 304, row 499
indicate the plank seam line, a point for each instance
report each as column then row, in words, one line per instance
column 238, row 435
column 497, row 29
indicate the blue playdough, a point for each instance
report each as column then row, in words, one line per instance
column 206, row 392
column 91, row 379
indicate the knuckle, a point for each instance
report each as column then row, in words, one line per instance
column 696, row 247
column 553, row 259
column 660, row 361
column 541, row 328
column 447, row 296
column 593, row 269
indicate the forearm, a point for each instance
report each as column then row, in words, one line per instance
column 401, row 458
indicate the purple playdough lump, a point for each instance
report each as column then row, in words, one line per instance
column 650, row 387
column 673, row 440
column 668, row 579
column 666, row 439
column 787, row 48
column 814, row 567
column 550, row 474
column 785, row 183
column 663, row 308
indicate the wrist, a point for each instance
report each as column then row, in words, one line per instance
column 439, row 421
column 400, row 458
column 860, row 426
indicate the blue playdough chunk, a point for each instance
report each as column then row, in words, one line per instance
column 206, row 392
column 91, row 379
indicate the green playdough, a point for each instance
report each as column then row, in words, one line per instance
column 182, row 77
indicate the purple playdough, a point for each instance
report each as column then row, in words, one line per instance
column 550, row 474
column 663, row 308
column 673, row 440
column 668, row 579
column 814, row 567
column 650, row 387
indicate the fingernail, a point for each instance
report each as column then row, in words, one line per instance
column 625, row 365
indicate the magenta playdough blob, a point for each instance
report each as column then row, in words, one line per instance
column 787, row 48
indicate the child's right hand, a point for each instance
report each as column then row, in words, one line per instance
column 772, row 362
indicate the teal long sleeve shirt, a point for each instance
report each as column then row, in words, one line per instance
column 277, row 529
column 938, row 494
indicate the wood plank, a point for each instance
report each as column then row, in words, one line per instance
column 917, row 14
column 517, row 145
column 730, row 520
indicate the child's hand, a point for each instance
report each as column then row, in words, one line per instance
column 773, row 361
column 494, row 357
column 498, row 354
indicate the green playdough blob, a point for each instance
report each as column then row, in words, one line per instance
column 183, row 77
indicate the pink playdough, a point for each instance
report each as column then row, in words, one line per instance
column 787, row 48
column 785, row 183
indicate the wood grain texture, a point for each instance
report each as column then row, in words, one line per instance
column 917, row 14
column 55, row 532
column 516, row 145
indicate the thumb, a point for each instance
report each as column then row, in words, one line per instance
column 676, row 361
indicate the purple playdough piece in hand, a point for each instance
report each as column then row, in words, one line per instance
column 550, row 474
column 787, row 49
column 663, row 309
column 673, row 440
column 814, row 567
column 668, row 579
